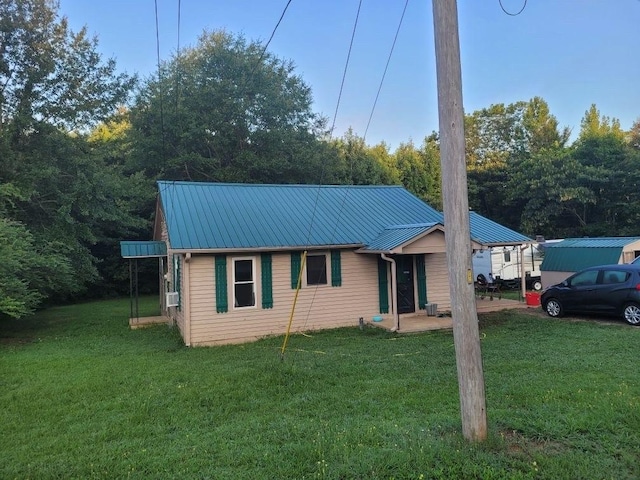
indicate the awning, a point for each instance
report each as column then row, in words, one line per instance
column 138, row 249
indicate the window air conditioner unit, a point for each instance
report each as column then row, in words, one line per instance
column 173, row 299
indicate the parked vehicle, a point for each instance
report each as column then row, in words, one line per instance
column 505, row 264
column 605, row 289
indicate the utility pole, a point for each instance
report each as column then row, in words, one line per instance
column 466, row 334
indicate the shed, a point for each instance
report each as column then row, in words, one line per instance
column 564, row 258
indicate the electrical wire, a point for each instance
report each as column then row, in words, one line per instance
column 274, row 31
column 344, row 74
column 346, row 65
column 160, row 82
column 178, row 66
column 513, row 14
column 315, row 204
column 385, row 69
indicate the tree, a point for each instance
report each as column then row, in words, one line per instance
column 49, row 73
column 595, row 125
column 498, row 140
column 603, row 148
column 542, row 129
column 28, row 273
column 552, row 185
column 419, row 170
column 634, row 135
column 359, row 164
column 63, row 199
column 226, row 110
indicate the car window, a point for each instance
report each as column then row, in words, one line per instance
column 584, row 278
column 610, row 277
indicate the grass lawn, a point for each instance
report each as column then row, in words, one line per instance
column 84, row 397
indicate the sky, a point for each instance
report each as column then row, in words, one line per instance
column 572, row 53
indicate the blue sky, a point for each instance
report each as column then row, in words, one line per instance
column 572, row 53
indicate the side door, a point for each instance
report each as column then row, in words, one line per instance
column 579, row 294
column 612, row 290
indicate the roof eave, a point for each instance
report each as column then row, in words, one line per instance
column 204, row 251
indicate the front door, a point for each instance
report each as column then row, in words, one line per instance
column 406, row 301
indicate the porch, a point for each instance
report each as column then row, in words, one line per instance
column 421, row 322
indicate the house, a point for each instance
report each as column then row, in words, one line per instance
column 235, row 256
column 564, row 258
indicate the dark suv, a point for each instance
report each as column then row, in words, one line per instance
column 606, row 289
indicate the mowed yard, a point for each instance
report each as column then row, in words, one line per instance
column 84, row 397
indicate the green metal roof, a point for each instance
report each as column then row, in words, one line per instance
column 216, row 216
column 131, row 249
column 490, row 233
column 575, row 254
column 396, row 235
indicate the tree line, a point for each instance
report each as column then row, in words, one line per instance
column 81, row 147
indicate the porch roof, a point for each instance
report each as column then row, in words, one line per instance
column 139, row 249
column 397, row 235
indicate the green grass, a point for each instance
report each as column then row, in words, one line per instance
column 85, row 397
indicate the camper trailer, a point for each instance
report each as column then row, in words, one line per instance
column 505, row 264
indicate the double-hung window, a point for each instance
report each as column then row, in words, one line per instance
column 244, row 282
column 317, row 269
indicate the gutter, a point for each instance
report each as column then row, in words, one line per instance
column 396, row 317
column 210, row 251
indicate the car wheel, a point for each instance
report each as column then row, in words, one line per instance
column 537, row 285
column 632, row 314
column 553, row 308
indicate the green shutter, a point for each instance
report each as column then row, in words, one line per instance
column 267, row 288
column 295, row 268
column 222, row 302
column 176, row 280
column 422, row 282
column 383, row 287
column 336, row 267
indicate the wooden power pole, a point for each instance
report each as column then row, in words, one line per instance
column 466, row 333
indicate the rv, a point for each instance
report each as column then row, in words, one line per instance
column 506, row 263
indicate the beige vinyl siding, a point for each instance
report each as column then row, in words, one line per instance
column 432, row 243
column 629, row 252
column 317, row 307
column 437, row 280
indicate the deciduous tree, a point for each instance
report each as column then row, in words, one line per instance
column 54, row 87
column 227, row 110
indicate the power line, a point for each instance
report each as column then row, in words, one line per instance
column 346, row 193
column 344, row 74
column 178, row 69
column 274, row 30
column 313, row 213
column 385, row 68
column 160, row 80
column 513, row 14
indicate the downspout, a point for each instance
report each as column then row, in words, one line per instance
column 396, row 317
column 186, row 306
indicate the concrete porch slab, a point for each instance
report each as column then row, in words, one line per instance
column 421, row 322
column 141, row 322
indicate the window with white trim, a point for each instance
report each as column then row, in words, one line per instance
column 316, row 269
column 244, row 282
